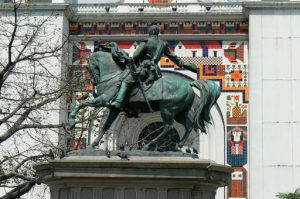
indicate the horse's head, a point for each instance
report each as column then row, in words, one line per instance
column 101, row 64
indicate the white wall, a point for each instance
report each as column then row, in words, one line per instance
column 274, row 43
column 31, row 141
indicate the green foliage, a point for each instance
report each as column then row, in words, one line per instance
column 288, row 195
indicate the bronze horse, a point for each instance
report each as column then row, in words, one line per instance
column 171, row 96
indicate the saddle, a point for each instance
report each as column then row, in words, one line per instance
column 152, row 91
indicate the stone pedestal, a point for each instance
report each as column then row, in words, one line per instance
column 133, row 177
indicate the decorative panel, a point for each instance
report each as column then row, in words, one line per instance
column 167, row 27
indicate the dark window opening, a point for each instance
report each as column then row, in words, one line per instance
column 215, row 53
column 194, row 53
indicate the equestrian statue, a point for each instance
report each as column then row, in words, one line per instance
column 136, row 85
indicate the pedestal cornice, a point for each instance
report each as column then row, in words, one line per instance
column 163, row 168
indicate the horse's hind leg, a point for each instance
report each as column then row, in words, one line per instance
column 188, row 124
column 183, row 118
column 168, row 118
column 113, row 114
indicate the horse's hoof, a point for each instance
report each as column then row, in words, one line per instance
column 94, row 145
column 180, row 145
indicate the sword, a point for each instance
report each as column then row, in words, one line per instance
column 141, row 85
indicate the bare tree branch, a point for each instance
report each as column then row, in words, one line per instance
column 14, row 174
column 24, row 116
column 20, row 105
column 30, row 91
column 10, row 64
column 31, row 158
column 40, row 126
column 19, row 190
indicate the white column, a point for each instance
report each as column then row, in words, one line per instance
column 274, row 78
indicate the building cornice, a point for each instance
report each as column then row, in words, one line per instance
column 36, row 7
column 144, row 12
column 154, row 16
column 240, row 37
column 131, row 11
column 271, row 5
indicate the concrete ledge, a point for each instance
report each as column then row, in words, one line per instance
column 267, row 5
column 180, row 177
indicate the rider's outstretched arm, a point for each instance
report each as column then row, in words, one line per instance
column 178, row 61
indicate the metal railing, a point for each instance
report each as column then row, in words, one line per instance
column 129, row 8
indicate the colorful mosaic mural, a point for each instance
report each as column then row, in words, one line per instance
column 225, row 62
column 237, row 157
column 167, row 27
column 238, row 184
column 236, row 111
column 236, row 146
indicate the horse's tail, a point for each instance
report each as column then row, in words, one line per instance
column 210, row 93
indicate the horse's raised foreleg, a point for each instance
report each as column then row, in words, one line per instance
column 168, row 118
column 113, row 114
column 96, row 102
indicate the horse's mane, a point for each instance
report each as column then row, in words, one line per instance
column 120, row 56
column 104, row 62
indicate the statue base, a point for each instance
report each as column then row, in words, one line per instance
column 133, row 176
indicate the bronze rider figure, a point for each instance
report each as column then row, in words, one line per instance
column 146, row 58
